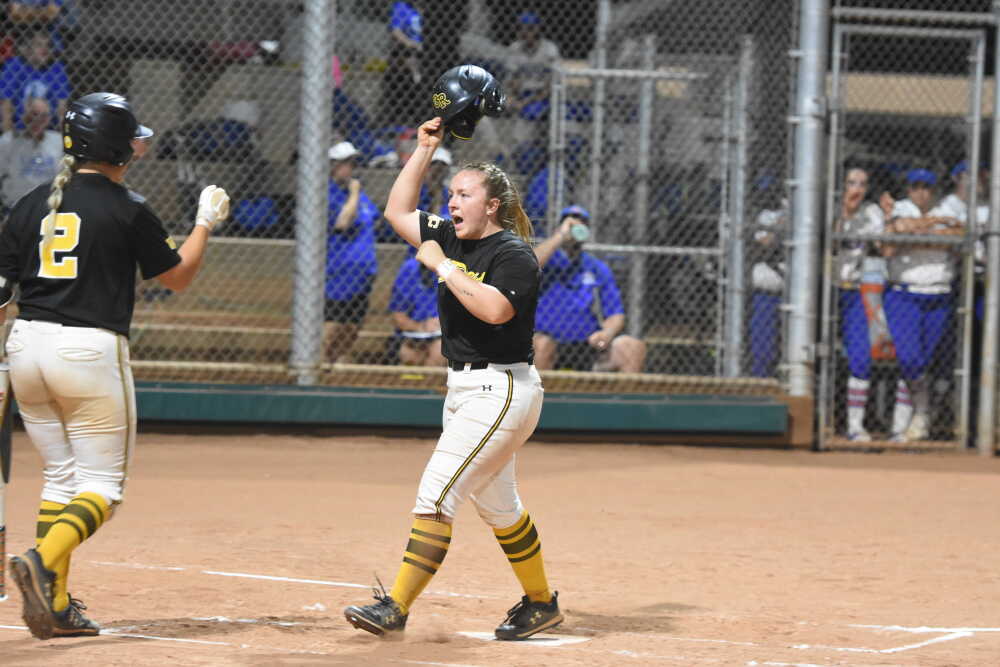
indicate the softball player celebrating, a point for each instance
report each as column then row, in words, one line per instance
column 487, row 293
column 73, row 247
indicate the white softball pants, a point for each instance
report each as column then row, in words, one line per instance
column 74, row 390
column 488, row 415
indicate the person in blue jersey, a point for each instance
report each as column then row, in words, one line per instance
column 580, row 314
column 350, row 253
column 32, row 73
column 413, row 304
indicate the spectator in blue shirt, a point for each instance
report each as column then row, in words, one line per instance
column 401, row 90
column 31, row 74
column 580, row 316
column 350, row 252
column 413, row 305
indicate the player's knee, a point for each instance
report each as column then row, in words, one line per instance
column 60, row 482
column 500, row 517
column 110, row 491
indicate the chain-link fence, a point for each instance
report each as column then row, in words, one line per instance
column 662, row 123
column 908, row 184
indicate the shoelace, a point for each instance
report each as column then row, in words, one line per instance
column 76, row 604
column 382, row 597
column 516, row 609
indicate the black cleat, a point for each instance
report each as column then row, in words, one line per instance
column 526, row 618
column 382, row 618
column 36, row 584
column 70, row 622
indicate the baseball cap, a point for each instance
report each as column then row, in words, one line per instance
column 528, row 18
column 921, row 176
column 343, row 151
column 576, row 212
column 442, row 154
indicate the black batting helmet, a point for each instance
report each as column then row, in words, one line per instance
column 100, row 127
column 463, row 95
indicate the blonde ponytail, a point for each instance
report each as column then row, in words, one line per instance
column 55, row 197
column 498, row 185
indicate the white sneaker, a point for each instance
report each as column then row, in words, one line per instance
column 917, row 430
column 859, row 435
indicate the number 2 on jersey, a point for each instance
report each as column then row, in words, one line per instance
column 65, row 239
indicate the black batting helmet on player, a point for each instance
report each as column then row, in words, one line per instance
column 463, row 95
column 100, row 127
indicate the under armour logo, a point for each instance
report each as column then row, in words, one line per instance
column 487, row 387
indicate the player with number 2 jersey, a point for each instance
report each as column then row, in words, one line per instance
column 73, row 248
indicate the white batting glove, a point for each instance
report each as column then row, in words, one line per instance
column 213, row 207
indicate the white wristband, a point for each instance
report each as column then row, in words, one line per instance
column 201, row 222
column 445, row 268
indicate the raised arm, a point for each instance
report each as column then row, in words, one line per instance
column 401, row 207
column 548, row 247
column 213, row 208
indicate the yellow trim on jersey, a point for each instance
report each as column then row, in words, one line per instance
column 482, row 443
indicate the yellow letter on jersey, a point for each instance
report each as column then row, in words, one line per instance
column 65, row 239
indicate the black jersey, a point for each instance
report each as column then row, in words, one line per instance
column 502, row 260
column 86, row 276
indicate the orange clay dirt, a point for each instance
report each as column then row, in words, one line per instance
column 236, row 548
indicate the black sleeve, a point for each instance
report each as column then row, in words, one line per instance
column 436, row 228
column 10, row 261
column 516, row 274
column 154, row 250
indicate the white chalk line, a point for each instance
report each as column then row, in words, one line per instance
column 124, row 634
column 267, row 577
column 948, row 634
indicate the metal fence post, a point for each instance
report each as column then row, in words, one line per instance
column 600, row 95
column 991, row 299
column 637, row 272
column 311, row 191
column 807, row 197
column 736, row 249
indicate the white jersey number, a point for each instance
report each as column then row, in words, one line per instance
column 65, row 239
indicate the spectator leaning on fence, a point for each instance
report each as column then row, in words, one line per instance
column 32, row 74
column 855, row 260
column 919, row 301
column 956, row 205
column 580, row 315
column 31, row 156
column 767, row 276
column 413, row 305
column 350, row 259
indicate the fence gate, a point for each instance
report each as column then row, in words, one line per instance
column 899, row 278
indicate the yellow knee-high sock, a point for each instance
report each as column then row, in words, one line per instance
column 524, row 551
column 47, row 514
column 428, row 545
column 79, row 520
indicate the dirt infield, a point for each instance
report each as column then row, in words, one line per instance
column 243, row 550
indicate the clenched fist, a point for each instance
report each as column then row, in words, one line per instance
column 213, row 207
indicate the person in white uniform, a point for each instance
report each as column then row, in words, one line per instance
column 919, row 301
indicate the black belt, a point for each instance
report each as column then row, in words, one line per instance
column 473, row 365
